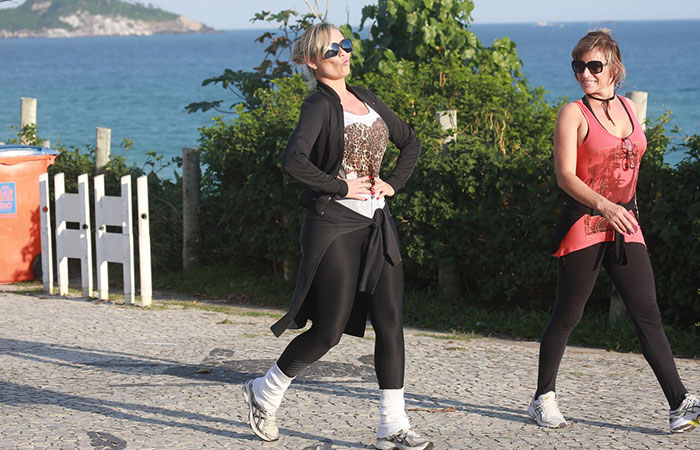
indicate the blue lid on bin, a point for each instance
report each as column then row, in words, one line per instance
column 25, row 150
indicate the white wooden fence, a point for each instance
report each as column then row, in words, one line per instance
column 111, row 213
column 73, row 243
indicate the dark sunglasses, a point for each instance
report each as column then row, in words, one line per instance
column 333, row 48
column 593, row 66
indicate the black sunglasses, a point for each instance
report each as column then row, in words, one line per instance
column 593, row 66
column 333, row 48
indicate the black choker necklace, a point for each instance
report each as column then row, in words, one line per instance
column 605, row 102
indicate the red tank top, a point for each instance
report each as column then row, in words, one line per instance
column 610, row 166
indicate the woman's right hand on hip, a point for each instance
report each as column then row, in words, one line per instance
column 359, row 188
column 622, row 220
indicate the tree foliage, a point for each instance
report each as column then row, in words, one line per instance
column 486, row 201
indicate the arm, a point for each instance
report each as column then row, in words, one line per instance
column 406, row 141
column 566, row 140
column 295, row 160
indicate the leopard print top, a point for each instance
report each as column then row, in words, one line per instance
column 366, row 137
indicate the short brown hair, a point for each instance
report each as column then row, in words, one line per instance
column 601, row 40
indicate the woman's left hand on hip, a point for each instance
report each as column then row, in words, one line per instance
column 382, row 188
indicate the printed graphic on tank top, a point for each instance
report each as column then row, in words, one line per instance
column 610, row 166
column 366, row 138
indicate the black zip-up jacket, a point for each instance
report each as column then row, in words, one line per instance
column 314, row 151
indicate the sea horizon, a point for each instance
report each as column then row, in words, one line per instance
column 138, row 86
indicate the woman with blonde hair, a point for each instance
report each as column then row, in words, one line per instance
column 350, row 263
column 598, row 147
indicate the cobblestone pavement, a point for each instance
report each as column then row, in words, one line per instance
column 94, row 375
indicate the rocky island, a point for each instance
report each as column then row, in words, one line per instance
column 77, row 18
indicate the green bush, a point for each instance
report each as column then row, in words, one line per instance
column 246, row 197
column 669, row 203
column 485, row 202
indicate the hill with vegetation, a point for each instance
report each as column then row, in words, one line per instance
column 75, row 18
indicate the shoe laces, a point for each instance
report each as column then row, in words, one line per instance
column 268, row 416
column 689, row 403
column 549, row 405
column 404, row 436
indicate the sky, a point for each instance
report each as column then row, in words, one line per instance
column 236, row 14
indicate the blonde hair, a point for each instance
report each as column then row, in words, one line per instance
column 601, row 40
column 311, row 43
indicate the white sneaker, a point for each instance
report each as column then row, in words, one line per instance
column 545, row 411
column 263, row 423
column 403, row 440
column 686, row 416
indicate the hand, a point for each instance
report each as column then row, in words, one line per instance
column 622, row 220
column 382, row 189
column 359, row 188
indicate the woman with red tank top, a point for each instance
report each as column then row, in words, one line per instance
column 598, row 146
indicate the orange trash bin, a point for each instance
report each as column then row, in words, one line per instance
column 20, row 235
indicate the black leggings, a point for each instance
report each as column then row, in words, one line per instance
column 635, row 283
column 333, row 292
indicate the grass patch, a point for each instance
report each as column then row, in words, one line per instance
column 225, row 309
column 424, row 310
column 29, row 287
column 233, row 284
column 464, row 321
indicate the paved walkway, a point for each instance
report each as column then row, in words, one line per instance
column 90, row 375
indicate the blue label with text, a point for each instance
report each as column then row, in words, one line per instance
column 8, row 196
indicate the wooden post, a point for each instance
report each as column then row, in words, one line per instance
column 144, row 241
column 448, row 275
column 448, row 280
column 448, row 122
column 290, row 266
column 191, row 179
column 102, row 149
column 640, row 98
column 27, row 114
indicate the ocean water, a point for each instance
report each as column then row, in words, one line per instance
column 139, row 86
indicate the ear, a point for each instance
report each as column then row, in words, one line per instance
column 312, row 65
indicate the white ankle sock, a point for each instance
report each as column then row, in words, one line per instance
column 392, row 412
column 270, row 389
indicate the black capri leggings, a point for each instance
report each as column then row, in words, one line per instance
column 333, row 292
column 635, row 283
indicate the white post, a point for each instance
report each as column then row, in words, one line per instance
column 59, row 191
column 101, row 230
column 45, row 218
column 144, row 241
column 127, row 241
column 85, row 235
column 71, row 243
column 114, row 247
column 102, row 149
column 27, row 114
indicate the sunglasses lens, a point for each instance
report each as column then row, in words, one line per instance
column 346, row 45
column 334, row 48
column 332, row 51
column 578, row 66
column 595, row 66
